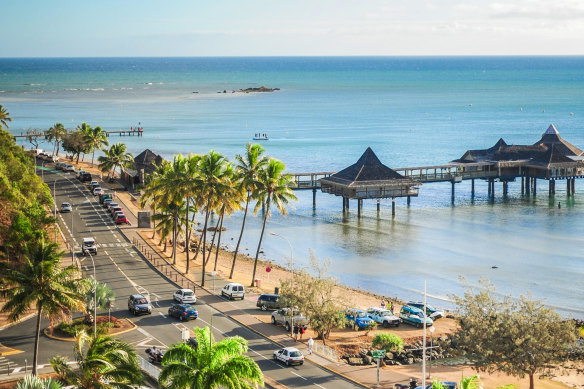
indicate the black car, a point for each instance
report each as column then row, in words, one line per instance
column 183, row 312
column 138, row 304
column 269, row 301
column 85, row 177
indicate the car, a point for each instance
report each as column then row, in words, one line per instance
column 268, row 301
column 121, row 219
column 138, row 304
column 433, row 313
column 97, row 191
column 69, row 168
column 89, row 246
column 60, row 165
column 357, row 319
column 288, row 317
column 289, row 355
column 413, row 316
column 50, row 158
column 115, row 209
column 107, row 202
column 233, row 290
column 185, row 296
column 66, row 207
column 80, row 174
column 183, row 312
column 104, row 196
column 383, row 316
column 112, row 204
column 93, row 184
column 41, row 156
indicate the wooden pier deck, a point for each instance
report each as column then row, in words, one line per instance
column 107, row 134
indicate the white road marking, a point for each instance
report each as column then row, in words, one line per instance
column 320, row 386
column 298, row 375
column 18, row 369
column 105, row 252
column 163, row 315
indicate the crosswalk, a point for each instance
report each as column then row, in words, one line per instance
column 9, row 367
column 105, row 245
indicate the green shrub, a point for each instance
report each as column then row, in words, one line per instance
column 388, row 342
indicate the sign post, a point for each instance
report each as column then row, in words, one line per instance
column 378, row 354
column 268, row 270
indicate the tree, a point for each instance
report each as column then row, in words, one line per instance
column 35, row 382
column 210, row 365
column 515, row 336
column 248, row 168
column 315, row 297
column 33, row 135
column 75, row 143
column 473, row 382
column 4, row 117
column 96, row 139
column 40, row 282
column 106, row 362
column 274, row 187
column 151, row 192
column 102, row 296
column 56, row 134
column 115, row 157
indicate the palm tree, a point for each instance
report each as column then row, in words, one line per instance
column 214, row 180
column 102, row 297
column 56, row 133
column 166, row 219
column 190, row 183
column 274, row 188
column 40, row 282
column 115, row 157
column 4, row 117
column 84, row 129
column 210, row 365
column 96, row 140
column 151, row 191
column 106, row 363
column 35, row 382
column 248, row 168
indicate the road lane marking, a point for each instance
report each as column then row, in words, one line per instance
column 298, row 375
column 266, row 358
column 163, row 315
column 320, row 386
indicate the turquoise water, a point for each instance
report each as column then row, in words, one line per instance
column 411, row 111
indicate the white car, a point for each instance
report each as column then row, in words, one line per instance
column 97, row 191
column 289, row 355
column 66, row 207
column 185, row 296
column 69, row 168
column 383, row 316
column 233, row 290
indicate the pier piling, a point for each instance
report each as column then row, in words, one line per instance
column 393, row 207
column 452, row 192
column 359, row 206
column 314, row 198
column 472, row 188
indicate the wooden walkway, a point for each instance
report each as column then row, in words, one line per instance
column 107, row 134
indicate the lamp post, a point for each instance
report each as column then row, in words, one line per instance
column 94, row 297
column 432, row 329
column 72, row 236
column 292, row 269
column 55, row 203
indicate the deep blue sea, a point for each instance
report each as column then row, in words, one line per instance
column 413, row 111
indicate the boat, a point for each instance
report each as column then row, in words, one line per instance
column 260, row 136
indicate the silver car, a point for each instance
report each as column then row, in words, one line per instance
column 66, row 207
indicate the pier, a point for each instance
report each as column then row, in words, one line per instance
column 133, row 131
column 550, row 159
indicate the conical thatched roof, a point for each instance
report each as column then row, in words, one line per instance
column 551, row 137
column 367, row 169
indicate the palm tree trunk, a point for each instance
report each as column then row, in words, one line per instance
column 219, row 238
column 531, row 384
column 154, row 213
column 240, row 235
column 187, row 235
column 205, row 241
column 92, row 155
column 213, row 240
column 255, row 263
column 36, row 339
column 198, row 247
column 174, row 236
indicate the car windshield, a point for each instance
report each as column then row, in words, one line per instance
column 188, row 293
column 295, row 354
column 142, row 301
column 385, row 313
column 360, row 314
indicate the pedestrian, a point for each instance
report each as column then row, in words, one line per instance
column 301, row 330
column 382, row 303
column 310, row 345
column 391, row 307
column 114, row 194
column 296, row 332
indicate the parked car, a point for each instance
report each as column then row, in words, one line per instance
column 97, row 191
column 289, row 355
column 121, row 219
column 69, row 168
column 433, row 313
column 104, row 196
column 383, row 316
column 93, row 184
column 233, row 290
column 268, row 301
column 89, row 246
column 114, row 210
column 414, row 316
column 357, row 319
column 80, row 173
column 288, row 317
column 66, row 207
column 107, row 202
column 111, row 205
column 183, row 312
column 185, row 296
column 138, row 304
column 50, row 158
column 59, row 165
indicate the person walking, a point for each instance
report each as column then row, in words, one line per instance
column 301, row 330
column 310, row 345
column 383, row 303
column 296, row 332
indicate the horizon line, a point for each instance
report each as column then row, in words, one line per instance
column 316, row 56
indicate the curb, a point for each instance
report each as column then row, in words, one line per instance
column 17, row 321
column 134, row 326
column 10, row 352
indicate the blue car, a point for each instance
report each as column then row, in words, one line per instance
column 183, row 312
column 357, row 319
column 414, row 316
column 432, row 312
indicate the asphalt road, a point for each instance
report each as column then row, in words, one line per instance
column 126, row 272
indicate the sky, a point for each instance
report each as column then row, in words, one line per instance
column 145, row 28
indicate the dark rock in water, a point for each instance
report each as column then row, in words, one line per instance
column 260, row 89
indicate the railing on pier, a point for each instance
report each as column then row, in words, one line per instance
column 43, row 134
column 309, row 180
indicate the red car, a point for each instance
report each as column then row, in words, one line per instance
column 121, row 219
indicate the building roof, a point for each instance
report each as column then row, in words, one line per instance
column 551, row 137
column 148, row 161
column 368, row 170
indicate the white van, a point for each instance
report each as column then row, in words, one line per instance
column 233, row 290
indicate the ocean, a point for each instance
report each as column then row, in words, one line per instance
column 412, row 111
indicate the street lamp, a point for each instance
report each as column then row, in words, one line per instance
column 432, row 329
column 292, row 269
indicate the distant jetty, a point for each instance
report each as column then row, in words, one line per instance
column 253, row 90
